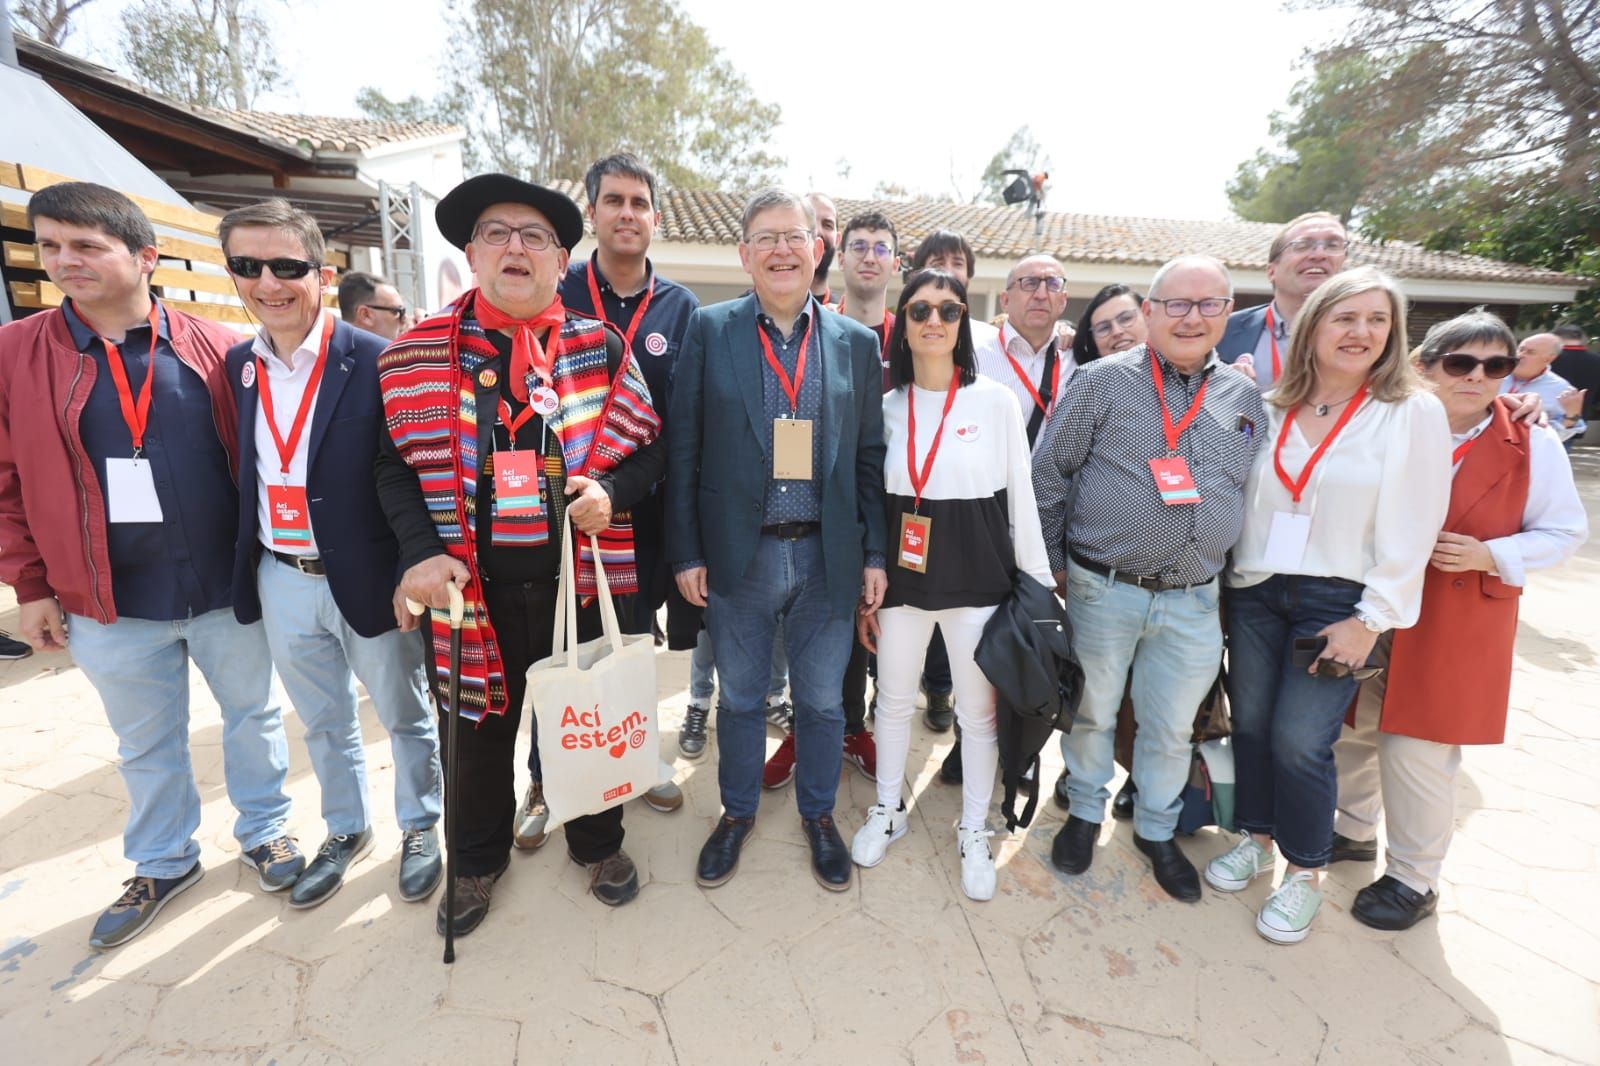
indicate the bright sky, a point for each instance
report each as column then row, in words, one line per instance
column 1142, row 108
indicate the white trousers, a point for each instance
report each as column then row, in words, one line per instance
column 901, row 647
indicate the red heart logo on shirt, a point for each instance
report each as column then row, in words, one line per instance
column 968, row 432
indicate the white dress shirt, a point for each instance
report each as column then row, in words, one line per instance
column 1377, row 500
column 1548, row 386
column 992, row 363
column 288, row 388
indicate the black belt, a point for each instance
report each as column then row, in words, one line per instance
column 1149, row 584
column 791, row 530
column 306, row 564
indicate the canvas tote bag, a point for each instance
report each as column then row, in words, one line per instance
column 596, row 706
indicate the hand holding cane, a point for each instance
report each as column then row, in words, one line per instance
column 453, row 709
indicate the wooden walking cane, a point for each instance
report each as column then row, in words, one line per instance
column 453, row 707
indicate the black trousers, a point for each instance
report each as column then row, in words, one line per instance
column 935, row 678
column 523, row 616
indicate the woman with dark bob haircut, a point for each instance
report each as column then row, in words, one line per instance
column 962, row 517
column 1111, row 323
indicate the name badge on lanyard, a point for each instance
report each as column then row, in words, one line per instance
column 516, row 484
column 1290, row 532
column 130, row 483
column 1171, row 472
column 916, row 530
column 287, row 507
column 291, row 518
column 791, row 437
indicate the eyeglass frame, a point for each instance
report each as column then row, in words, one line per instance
column 1478, row 363
column 1322, row 244
column 1038, row 280
column 793, row 239
column 936, row 309
column 398, row 312
column 1121, row 320
column 1193, row 305
column 879, row 249
column 238, row 265
column 548, row 236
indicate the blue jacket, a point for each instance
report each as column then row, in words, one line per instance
column 354, row 540
column 1244, row 332
column 717, row 448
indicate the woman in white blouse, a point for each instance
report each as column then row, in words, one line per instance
column 1342, row 510
column 962, row 520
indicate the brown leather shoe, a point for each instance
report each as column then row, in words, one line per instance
column 614, row 880
column 472, row 901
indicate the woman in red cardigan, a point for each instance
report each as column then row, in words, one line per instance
column 1513, row 508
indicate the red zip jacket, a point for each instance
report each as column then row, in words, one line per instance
column 52, row 510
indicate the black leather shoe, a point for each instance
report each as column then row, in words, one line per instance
column 1073, row 848
column 1389, row 904
column 1347, row 850
column 1122, row 802
column 940, row 713
column 950, row 769
column 1063, row 800
column 326, row 872
column 1174, row 872
column 830, row 859
column 421, row 868
column 719, row 855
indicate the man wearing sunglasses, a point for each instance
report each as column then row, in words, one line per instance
column 1533, row 373
column 368, row 302
column 118, row 515
column 1307, row 251
column 316, row 560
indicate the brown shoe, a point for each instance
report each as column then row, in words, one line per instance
column 533, row 819
column 614, row 880
column 472, row 901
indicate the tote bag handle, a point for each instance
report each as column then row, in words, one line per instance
column 567, row 604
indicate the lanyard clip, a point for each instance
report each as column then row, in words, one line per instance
column 138, row 451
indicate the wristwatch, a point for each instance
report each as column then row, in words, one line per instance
column 1372, row 624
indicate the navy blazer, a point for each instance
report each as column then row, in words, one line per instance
column 718, row 448
column 1243, row 333
column 354, row 540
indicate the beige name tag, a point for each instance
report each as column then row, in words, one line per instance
column 791, row 449
column 915, row 533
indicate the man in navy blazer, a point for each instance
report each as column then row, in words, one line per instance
column 775, row 515
column 316, row 560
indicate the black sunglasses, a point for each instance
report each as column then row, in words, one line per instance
column 1335, row 669
column 950, row 312
column 248, row 266
column 398, row 312
column 1459, row 365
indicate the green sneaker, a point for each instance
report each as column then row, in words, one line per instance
column 1286, row 918
column 1233, row 870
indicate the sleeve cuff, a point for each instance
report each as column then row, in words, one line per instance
column 31, row 589
column 1507, row 562
column 690, row 564
column 875, row 561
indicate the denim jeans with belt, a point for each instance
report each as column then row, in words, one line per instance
column 1285, row 720
column 784, row 586
column 1173, row 642
column 140, row 669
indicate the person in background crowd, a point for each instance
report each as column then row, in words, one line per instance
column 316, row 562
column 1346, row 501
column 368, row 302
column 1513, row 509
column 1151, row 448
column 828, row 232
column 1027, row 355
column 1307, row 251
column 775, row 518
column 503, row 388
column 118, row 515
column 1534, row 374
column 962, row 502
column 1579, row 365
column 947, row 250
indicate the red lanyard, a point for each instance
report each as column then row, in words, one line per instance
column 1298, row 485
column 1022, row 375
column 1462, row 449
column 514, row 424
column 919, row 483
column 1172, row 431
column 790, row 389
column 286, row 447
column 638, row 314
column 136, row 415
column 1272, row 334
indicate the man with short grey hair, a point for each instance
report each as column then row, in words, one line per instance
column 1140, row 483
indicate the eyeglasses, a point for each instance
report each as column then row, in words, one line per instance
column 1324, row 244
column 534, row 238
column 1460, row 364
column 1335, row 669
column 398, row 312
column 248, row 266
column 1121, row 321
column 949, row 312
column 880, row 249
column 1052, row 285
column 767, row 240
column 1210, row 307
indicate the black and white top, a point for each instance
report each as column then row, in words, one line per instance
column 979, row 496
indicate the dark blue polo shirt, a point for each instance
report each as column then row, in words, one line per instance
column 182, row 566
column 659, row 336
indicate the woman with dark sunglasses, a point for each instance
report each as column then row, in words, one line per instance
column 1342, row 510
column 962, row 520
column 1513, row 508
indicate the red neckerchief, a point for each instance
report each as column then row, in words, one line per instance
column 527, row 354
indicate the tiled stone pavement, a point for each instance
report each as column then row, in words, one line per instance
column 770, row 968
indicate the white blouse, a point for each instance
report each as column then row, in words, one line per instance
column 1554, row 523
column 1377, row 500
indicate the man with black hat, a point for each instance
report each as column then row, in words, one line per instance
column 499, row 388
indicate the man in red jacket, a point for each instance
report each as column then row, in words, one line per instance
column 118, row 516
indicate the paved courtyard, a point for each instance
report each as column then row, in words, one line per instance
column 772, row 969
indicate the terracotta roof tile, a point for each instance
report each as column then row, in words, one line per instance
column 329, row 134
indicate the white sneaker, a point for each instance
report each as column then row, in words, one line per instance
column 1286, row 918
column 977, row 864
column 884, row 827
column 1232, row 871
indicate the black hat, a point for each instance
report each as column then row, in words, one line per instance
column 457, row 214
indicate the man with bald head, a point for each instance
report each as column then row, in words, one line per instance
column 1534, row 374
column 1026, row 354
column 1140, row 481
column 1307, row 251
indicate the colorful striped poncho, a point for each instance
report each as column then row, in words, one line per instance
column 427, row 380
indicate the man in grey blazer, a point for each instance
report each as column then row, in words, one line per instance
column 775, row 515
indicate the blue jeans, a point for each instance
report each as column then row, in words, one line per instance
column 702, row 667
column 1173, row 642
column 1285, row 721
column 319, row 658
column 783, row 587
column 141, row 671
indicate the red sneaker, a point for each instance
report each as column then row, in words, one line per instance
column 779, row 770
column 861, row 751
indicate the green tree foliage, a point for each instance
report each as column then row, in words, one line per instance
column 545, row 87
column 220, row 53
